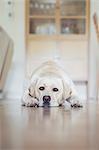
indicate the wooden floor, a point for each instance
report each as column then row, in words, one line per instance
column 24, row 128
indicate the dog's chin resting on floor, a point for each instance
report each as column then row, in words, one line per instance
column 50, row 86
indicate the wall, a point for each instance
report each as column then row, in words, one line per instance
column 15, row 28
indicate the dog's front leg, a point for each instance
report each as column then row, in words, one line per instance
column 28, row 100
column 75, row 102
column 72, row 101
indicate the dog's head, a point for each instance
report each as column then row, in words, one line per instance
column 49, row 91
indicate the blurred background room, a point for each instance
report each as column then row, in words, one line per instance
column 41, row 30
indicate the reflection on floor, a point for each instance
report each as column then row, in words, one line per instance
column 23, row 128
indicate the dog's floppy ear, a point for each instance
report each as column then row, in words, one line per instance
column 66, row 90
column 31, row 88
column 69, row 91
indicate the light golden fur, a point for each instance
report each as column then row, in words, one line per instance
column 50, row 75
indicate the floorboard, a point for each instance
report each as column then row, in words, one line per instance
column 23, row 128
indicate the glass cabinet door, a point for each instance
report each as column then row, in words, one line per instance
column 73, row 20
column 42, row 17
column 73, row 7
column 42, row 7
column 72, row 26
column 42, row 26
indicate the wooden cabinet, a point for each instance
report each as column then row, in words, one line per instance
column 57, row 19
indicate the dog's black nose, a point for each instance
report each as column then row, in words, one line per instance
column 46, row 100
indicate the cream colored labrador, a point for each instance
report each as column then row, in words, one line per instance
column 50, row 86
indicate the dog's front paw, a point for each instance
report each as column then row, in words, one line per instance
column 66, row 105
column 76, row 104
column 30, row 104
column 29, row 101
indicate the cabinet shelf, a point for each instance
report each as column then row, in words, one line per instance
column 57, row 37
column 41, row 17
column 73, row 17
column 61, row 17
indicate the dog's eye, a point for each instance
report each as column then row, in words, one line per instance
column 55, row 89
column 42, row 88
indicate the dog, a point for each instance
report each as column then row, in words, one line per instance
column 50, row 86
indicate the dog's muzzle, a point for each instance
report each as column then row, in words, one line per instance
column 46, row 100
